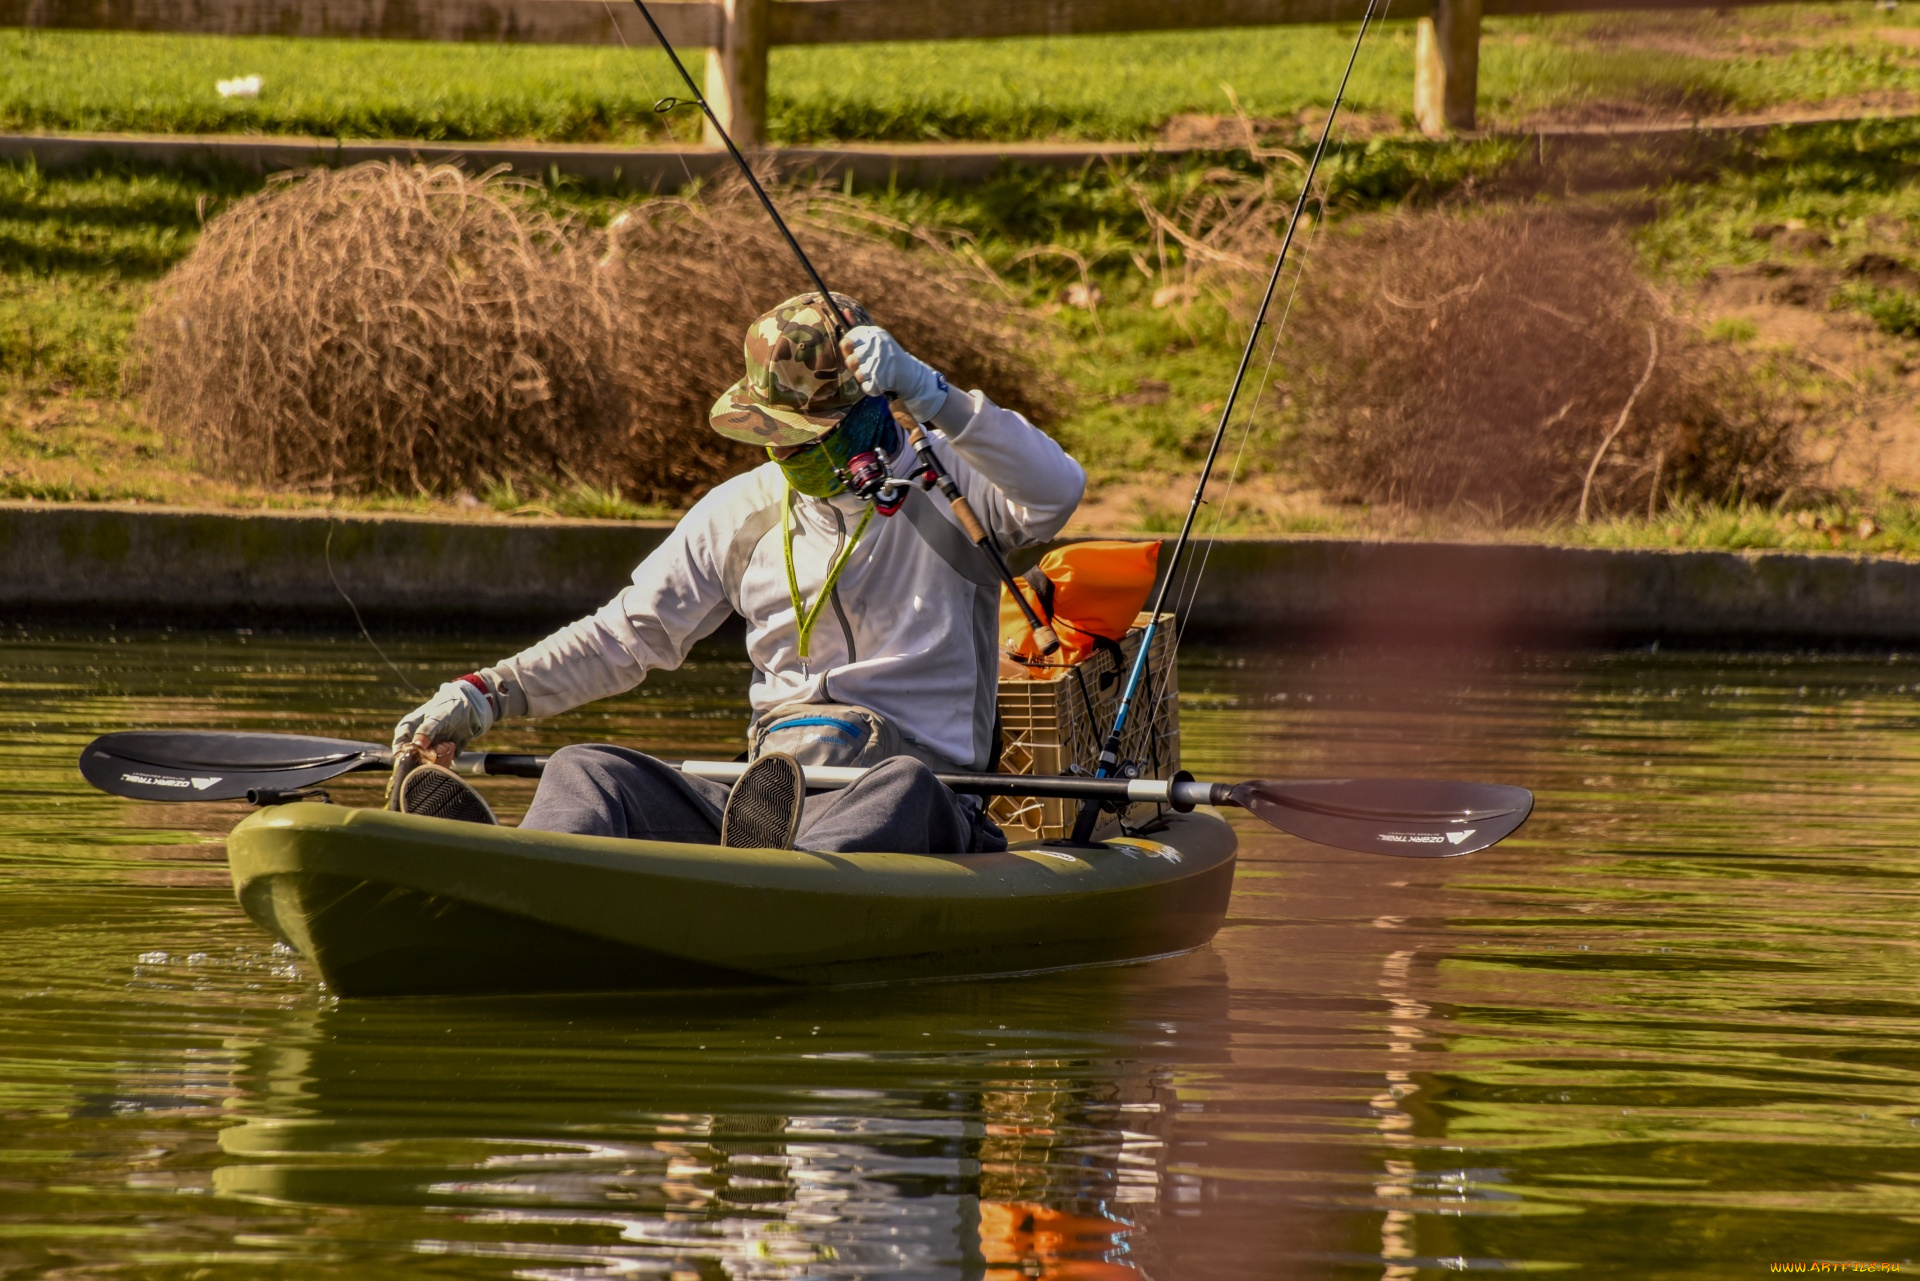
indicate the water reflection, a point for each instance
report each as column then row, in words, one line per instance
column 965, row 1127
column 1668, row 1030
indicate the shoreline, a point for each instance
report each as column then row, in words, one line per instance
column 209, row 568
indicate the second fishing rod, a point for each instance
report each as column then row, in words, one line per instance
column 1109, row 760
column 867, row 474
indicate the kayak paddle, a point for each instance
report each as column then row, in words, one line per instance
column 1409, row 817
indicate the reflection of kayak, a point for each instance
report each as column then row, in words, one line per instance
column 878, row 1131
column 392, row 904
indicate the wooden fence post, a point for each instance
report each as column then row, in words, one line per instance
column 1446, row 67
column 737, row 73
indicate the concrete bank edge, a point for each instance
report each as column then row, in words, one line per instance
column 643, row 168
column 140, row 566
column 666, row 167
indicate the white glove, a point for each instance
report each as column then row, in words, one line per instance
column 456, row 713
column 884, row 368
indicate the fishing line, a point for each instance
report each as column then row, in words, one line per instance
column 1109, row 759
column 327, row 552
column 1184, row 599
column 663, row 107
column 1189, row 590
column 829, row 309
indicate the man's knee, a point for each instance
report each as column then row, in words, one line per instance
column 584, row 758
column 905, row 774
column 571, row 763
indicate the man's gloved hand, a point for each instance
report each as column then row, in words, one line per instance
column 459, row 711
column 884, row 367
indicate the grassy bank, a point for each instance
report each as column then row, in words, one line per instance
column 79, row 256
column 1764, row 239
column 1098, row 87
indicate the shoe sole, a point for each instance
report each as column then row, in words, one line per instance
column 763, row 809
column 432, row 792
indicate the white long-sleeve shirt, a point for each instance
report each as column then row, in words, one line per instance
column 910, row 630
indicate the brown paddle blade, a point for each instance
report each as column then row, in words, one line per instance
column 1409, row 817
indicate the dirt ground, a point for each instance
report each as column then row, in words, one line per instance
column 1865, row 385
column 1860, row 388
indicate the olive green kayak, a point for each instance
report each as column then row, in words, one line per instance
column 386, row 904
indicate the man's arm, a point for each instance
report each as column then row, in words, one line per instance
column 675, row 599
column 1017, row 478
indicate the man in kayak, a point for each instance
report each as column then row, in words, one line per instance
column 873, row 637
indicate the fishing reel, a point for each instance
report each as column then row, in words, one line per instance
column 866, row 474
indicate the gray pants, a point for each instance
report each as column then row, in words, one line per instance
column 594, row 789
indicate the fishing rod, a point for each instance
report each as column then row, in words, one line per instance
column 1110, row 749
column 867, row 474
column 835, row 320
column 1405, row 817
column 933, row 472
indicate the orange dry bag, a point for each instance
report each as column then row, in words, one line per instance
column 1090, row 592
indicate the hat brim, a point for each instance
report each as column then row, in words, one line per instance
column 738, row 416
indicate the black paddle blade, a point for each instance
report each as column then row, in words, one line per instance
column 1409, row 817
column 208, row 765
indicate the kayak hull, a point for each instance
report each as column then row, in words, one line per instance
column 385, row 904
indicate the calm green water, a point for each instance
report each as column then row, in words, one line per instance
column 1670, row 1030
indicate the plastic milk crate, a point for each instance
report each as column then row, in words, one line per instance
column 1050, row 724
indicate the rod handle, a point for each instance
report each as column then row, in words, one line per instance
column 1044, row 636
column 916, row 435
column 969, row 523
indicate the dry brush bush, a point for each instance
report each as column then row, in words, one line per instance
column 1515, row 364
column 708, row 265
column 405, row 328
column 382, row 327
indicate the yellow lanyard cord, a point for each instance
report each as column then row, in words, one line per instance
column 804, row 616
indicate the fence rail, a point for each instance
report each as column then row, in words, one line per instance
column 737, row 34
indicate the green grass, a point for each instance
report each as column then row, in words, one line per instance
column 576, row 499
column 1852, row 183
column 1695, row 62
column 1893, row 311
column 1883, row 524
column 78, row 256
column 357, row 89
column 1093, row 87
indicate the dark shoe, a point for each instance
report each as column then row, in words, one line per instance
column 434, row 792
column 763, row 809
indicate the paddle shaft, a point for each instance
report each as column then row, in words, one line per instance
column 1180, row 793
column 1420, row 818
column 1468, row 817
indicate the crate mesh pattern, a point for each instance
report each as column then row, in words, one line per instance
column 1054, row 723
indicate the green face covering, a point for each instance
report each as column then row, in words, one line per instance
column 815, row 469
column 812, row 470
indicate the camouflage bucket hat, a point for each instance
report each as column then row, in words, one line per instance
column 797, row 386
